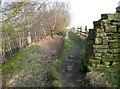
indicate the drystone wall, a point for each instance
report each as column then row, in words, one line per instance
column 104, row 40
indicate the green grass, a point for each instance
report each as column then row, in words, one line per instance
column 74, row 37
column 16, row 62
column 111, row 74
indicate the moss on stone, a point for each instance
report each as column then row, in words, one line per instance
column 100, row 46
column 98, row 40
column 111, row 29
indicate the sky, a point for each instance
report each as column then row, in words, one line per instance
column 84, row 12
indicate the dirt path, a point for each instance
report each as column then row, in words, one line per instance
column 67, row 69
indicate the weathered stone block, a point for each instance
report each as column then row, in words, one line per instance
column 114, row 51
column 118, row 8
column 104, row 22
column 114, row 45
column 102, row 34
column 94, row 61
column 118, row 16
column 97, row 58
column 96, row 23
column 115, row 22
column 100, row 50
column 116, row 55
column 98, row 40
column 113, row 36
column 111, row 29
column 99, row 30
column 107, row 59
column 114, row 41
column 100, row 46
column 105, row 40
column 119, row 30
column 98, row 54
column 108, row 55
column 108, row 16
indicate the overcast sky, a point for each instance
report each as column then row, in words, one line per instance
column 84, row 12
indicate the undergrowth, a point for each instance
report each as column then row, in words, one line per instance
column 111, row 74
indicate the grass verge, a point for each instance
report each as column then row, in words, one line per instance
column 16, row 62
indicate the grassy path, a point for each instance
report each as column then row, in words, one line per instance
column 67, row 69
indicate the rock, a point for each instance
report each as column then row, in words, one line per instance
column 94, row 61
column 98, row 54
column 116, row 55
column 119, row 30
column 100, row 46
column 113, row 36
column 111, row 29
column 118, row 9
column 114, row 41
column 116, row 51
column 102, row 34
column 105, row 40
column 98, row 40
column 71, row 56
column 99, row 30
column 114, row 45
column 108, row 59
column 97, row 58
column 69, row 68
column 97, row 24
column 108, row 16
column 104, row 22
column 100, row 50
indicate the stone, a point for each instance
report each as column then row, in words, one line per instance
column 115, row 22
column 116, row 55
column 111, row 29
column 118, row 9
column 115, row 51
column 100, row 46
column 97, row 24
column 104, row 40
column 114, row 45
column 119, row 30
column 108, row 16
column 100, row 50
column 118, row 17
column 98, row 55
column 104, row 22
column 98, row 40
column 112, row 36
column 97, row 58
column 94, row 61
column 99, row 30
column 114, row 41
column 102, row 34
column 109, row 55
column 108, row 59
